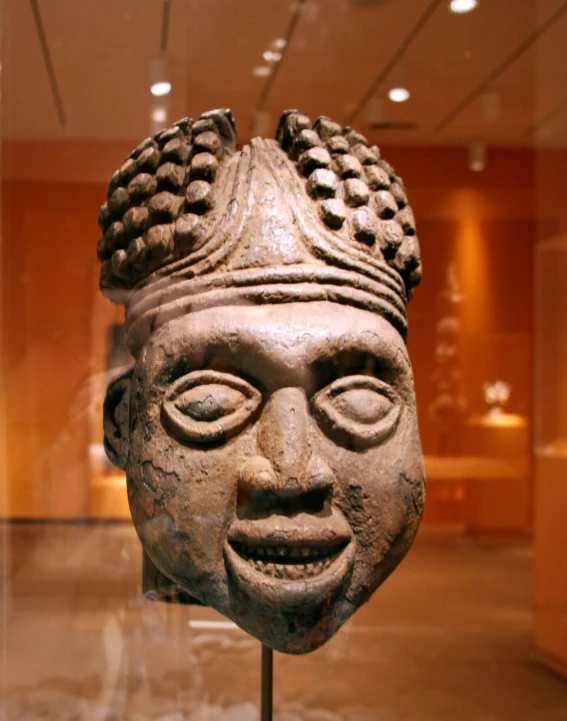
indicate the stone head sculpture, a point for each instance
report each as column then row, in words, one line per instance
column 268, row 427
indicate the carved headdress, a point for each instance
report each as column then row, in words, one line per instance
column 191, row 223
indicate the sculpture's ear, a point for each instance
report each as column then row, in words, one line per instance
column 116, row 421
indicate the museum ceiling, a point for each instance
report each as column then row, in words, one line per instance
column 80, row 70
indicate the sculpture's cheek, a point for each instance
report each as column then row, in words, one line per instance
column 381, row 494
column 183, row 500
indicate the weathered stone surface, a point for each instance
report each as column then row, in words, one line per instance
column 135, row 221
column 199, row 196
column 326, row 128
column 365, row 154
column 356, row 192
column 136, row 251
column 127, row 170
column 148, row 159
column 390, row 236
column 142, row 186
column 176, row 151
column 338, row 144
column 164, row 207
column 204, row 166
column 170, row 176
column 118, row 202
column 348, row 166
column 333, row 212
column 365, row 225
column 268, row 425
column 322, row 183
column 398, row 191
column 406, row 219
column 307, row 139
column 376, row 177
column 188, row 233
column 112, row 240
column 164, row 136
column 355, row 138
column 385, row 205
column 208, row 142
column 159, row 240
column 312, row 159
column 142, row 147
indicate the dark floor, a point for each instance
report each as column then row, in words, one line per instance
column 448, row 638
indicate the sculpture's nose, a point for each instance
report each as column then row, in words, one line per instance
column 287, row 466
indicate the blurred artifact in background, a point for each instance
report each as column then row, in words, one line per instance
column 449, row 407
column 268, row 426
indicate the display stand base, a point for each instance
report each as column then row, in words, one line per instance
column 267, row 683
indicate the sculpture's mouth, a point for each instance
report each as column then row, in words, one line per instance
column 287, row 560
column 300, row 560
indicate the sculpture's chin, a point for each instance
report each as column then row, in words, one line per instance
column 292, row 609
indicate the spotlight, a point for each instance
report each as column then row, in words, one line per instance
column 161, row 88
column 399, row 85
column 398, row 95
column 477, row 156
column 159, row 78
column 462, row 6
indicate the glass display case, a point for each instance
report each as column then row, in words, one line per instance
column 551, row 451
column 466, row 100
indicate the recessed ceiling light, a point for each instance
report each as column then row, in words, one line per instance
column 162, row 87
column 398, row 95
column 261, row 71
column 462, row 6
column 279, row 43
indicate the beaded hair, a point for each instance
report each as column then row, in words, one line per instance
column 190, row 222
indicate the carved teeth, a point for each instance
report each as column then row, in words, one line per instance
column 288, row 562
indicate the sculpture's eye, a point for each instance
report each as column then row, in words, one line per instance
column 208, row 407
column 357, row 411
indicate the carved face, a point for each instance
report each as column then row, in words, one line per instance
column 274, row 463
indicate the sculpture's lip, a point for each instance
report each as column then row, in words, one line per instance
column 297, row 560
column 306, row 561
column 299, row 529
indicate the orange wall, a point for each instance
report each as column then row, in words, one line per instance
column 550, row 529
column 49, row 241
column 482, row 222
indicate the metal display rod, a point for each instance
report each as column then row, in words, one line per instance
column 267, row 682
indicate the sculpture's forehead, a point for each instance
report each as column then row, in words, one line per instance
column 300, row 331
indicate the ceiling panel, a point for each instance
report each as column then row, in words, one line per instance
column 226, row 41
column 102, row 49
column 28, row 110
column 337, row 50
